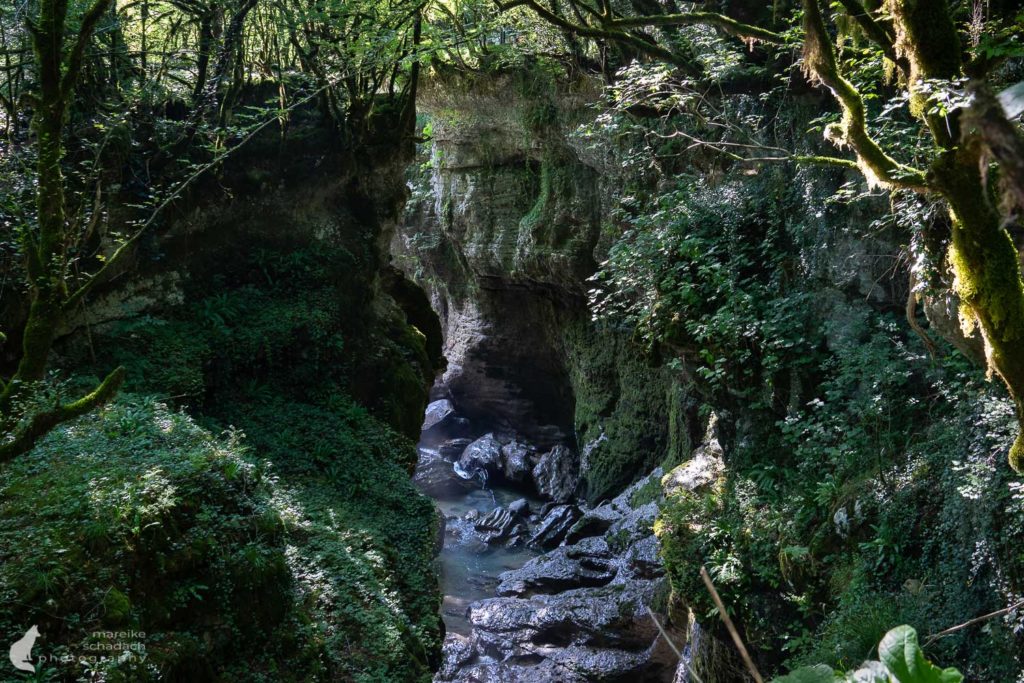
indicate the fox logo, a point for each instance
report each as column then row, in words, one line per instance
column 21, row 651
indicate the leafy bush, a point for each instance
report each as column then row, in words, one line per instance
column 136, row 519
column 861, row 488
column 901, row 658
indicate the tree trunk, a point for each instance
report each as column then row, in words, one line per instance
column 986, row 264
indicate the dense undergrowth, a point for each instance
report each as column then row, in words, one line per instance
column 293, row 547
column 864, row 485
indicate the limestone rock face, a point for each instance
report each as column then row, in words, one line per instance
column 504, row 232
column 703, row 469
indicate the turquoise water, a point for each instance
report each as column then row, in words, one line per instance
column 468, row 568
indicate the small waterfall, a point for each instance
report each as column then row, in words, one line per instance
column 684, row 673
column 480, row 474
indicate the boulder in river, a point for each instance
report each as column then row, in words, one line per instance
column 496, row 525
column 555, row 525
column 519, row 508
column 438, row 415
column 516, row 465
column 453, row 448
column 436, row 478
column 483, row 455
column 557, row 474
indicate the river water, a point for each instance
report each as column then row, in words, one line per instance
column 468, row 567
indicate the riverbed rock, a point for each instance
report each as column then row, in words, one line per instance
column 557, row 473
column 519, row 508
column 456, row 652
column 612, row 616
column 436, row 478
column 560, row 570
column 438, row 415
column 555, row 525
column 496, row 525
column 453, row 448
column 594, row 522
column 643, row 560
column 578, row 612
column 634, row 525
column 481, row 456
column 515, row 670
column 516, row 465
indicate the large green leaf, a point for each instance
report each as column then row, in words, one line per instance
column 900, row 652
column 869, row 672
column 819, row 673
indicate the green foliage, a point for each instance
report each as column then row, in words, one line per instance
column 331, row 579
column 902, row 661
column 840, row 433
column 707, row 273
column 134, row 518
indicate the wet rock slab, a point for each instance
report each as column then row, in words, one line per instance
column 435, row 476
column 576, row 613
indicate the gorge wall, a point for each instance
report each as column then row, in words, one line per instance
column 504, row 229
column 784, row 369
column 246, row 502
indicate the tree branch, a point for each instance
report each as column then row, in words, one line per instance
column 646, row 47
column 74, row 64
column 40, row 424
column 987, row 118
column 720, row 21
column 820, row 63
column 876, row 32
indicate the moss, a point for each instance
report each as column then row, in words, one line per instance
column 147, row 491
column 116, row 606
column 180, row 535
column 648, row 493
column 622, row 410
column 988, row 281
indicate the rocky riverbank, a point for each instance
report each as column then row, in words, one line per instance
column 540, row 586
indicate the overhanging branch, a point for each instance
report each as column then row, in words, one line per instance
column 821, row 64
column 720, row 21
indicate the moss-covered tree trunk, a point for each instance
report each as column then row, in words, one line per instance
column 986, row 264
column 45, row 246
column 984, row 259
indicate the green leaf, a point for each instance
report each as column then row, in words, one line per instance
column 869, row 672
column 819, row 673
column 906, row 662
